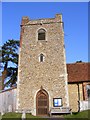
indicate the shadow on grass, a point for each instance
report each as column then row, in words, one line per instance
column 75, row 113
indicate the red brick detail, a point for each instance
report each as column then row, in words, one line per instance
column 21, row 34
column 25, row 20
column 85, row 91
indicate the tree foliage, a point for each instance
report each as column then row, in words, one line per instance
column 9, row 62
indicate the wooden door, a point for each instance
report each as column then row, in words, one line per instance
column 42, row 103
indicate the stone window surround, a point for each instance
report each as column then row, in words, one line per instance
column 44, row 55
column 40, row 32
column 46, row 35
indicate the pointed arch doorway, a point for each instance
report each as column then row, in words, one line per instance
column 42, row 103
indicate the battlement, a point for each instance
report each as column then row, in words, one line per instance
column 27, row 21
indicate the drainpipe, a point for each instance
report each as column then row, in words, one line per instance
column 78, row 98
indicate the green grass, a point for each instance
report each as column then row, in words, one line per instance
column 17, row 116
column 11, row 116
column 36, row 117
column 83, row 114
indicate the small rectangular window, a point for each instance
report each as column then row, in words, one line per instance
column 41, row 58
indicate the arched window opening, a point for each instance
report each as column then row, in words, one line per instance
column 41, row 57
column 41, row 34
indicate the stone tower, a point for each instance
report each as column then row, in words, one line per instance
column 42, row 74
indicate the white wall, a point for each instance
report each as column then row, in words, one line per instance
column 8, row 100
column 84, row 105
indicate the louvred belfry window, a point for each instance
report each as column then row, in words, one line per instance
column 41, row 34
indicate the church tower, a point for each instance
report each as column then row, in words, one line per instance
column 42, row 74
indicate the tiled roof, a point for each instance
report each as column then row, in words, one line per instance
column 78, row 72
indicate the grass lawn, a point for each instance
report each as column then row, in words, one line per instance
column 83, row 114
column 11, row 116
column 17, row 116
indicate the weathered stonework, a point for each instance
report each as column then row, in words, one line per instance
column 50, row 74
column 75, row 96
